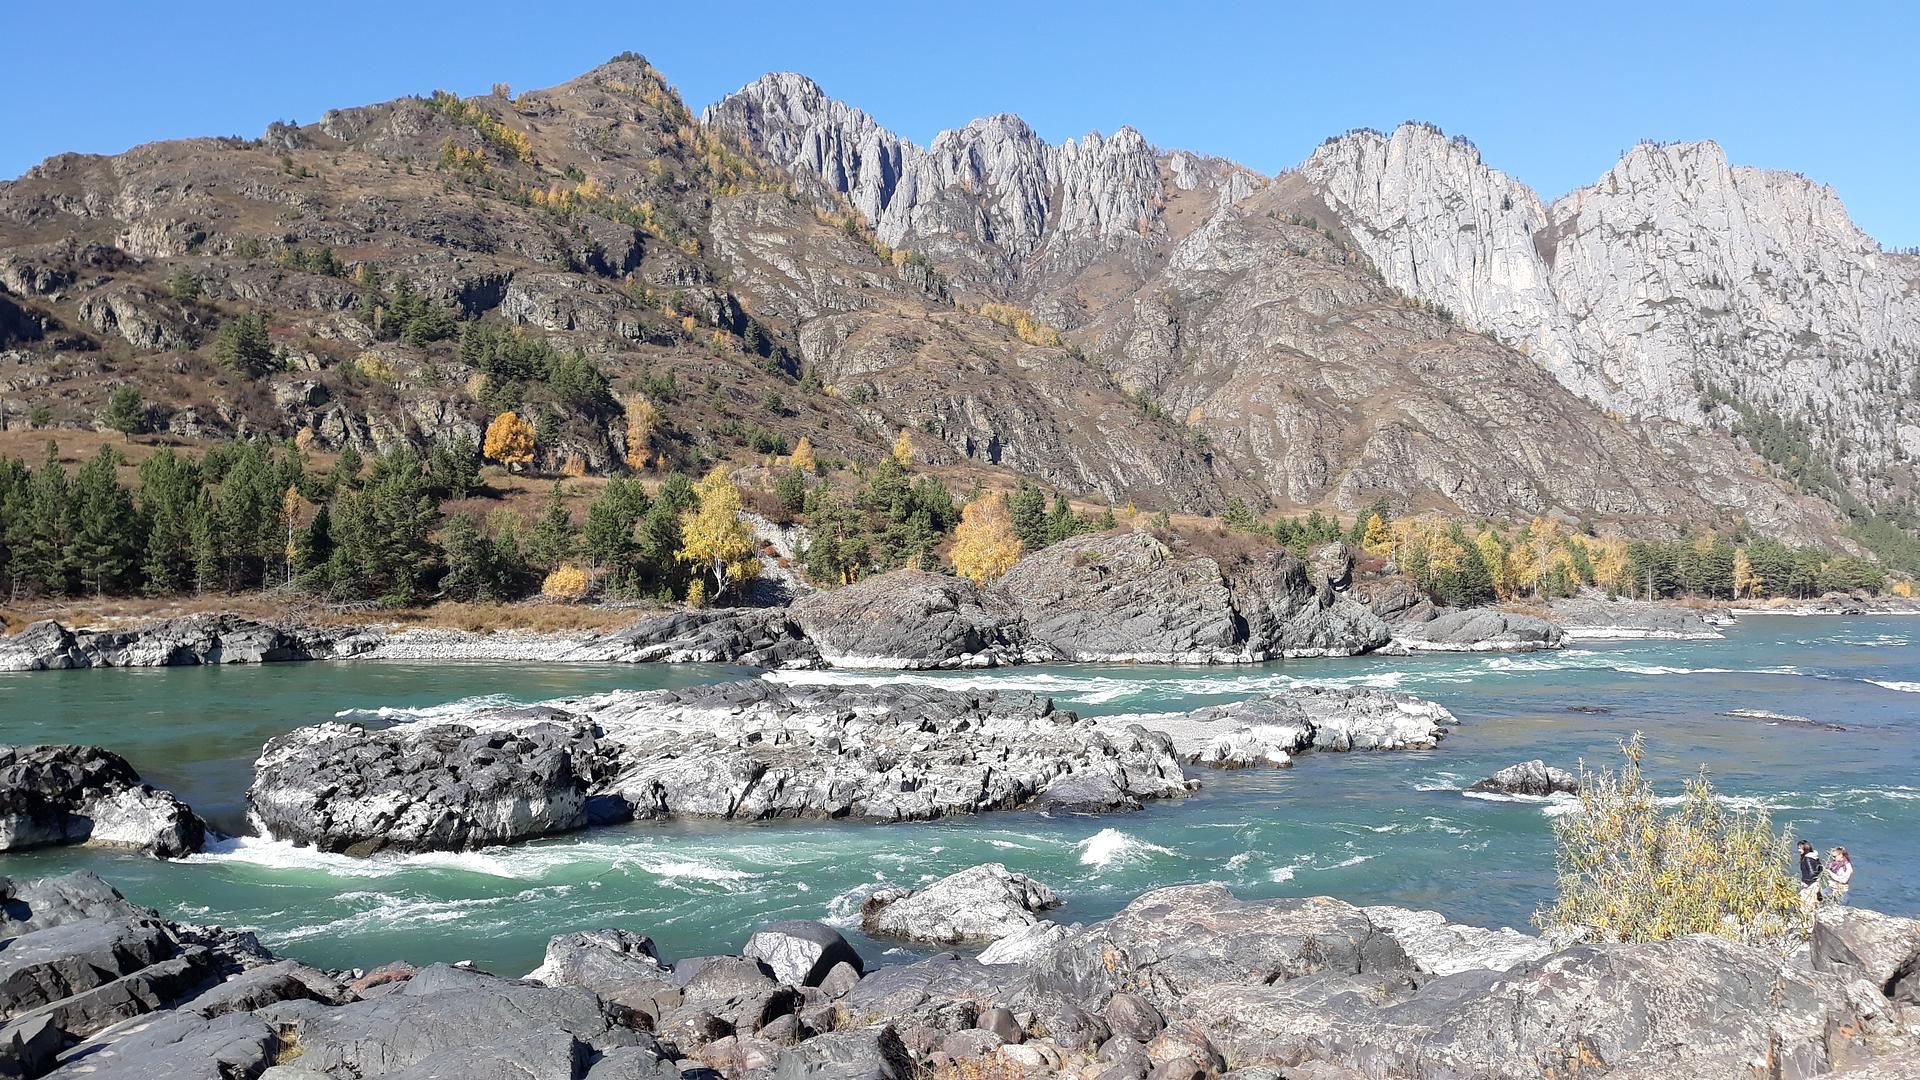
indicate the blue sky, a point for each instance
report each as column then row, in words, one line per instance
column 1551, row 93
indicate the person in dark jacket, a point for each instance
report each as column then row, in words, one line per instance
column 1809, row 876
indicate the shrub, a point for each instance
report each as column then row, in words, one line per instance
column 1630, row 872
column 567, row 583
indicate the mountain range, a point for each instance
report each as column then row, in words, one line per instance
column 1683, row 344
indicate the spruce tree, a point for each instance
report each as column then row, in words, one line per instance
column 124, row 411
column 107, row 532
column 1027, row 508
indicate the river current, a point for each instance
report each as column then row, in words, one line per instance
column 1370, row 827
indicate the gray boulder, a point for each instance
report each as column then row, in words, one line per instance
column 1594, row 618
column 911, row 619
column 1270, row 729
column 1290, row 610
column 1172, row 942
column 758, row 637
column 1859, row 943
column 1535, row 778
column 977, row 905
column 872, row 1053
column 1418, row 624
column 1123, row 597
column 424, row 787
column 82, row 794
column 618, row 965
column 802, row 953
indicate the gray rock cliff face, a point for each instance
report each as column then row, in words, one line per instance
column 1675, row 268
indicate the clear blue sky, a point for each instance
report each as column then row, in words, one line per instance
column 1551, row 93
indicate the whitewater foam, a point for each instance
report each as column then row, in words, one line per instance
column 1110, row 845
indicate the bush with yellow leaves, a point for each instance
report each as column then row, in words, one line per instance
column 1629, row 871
column 567, row 583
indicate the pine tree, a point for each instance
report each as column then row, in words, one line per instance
column 42, row 556
column 469, row 554
column 1027, row 511
column 609, row 538
column 554, row 537
column 124, row 411
column 107, row 532
column 346, row 470
column 1061, row 521
column 244, row 345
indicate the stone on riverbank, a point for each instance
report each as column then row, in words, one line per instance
column 978, row 905
column 1420, row 625
column 191, row 639
column 911, row 619
column 1591, row 618
column 64, row 794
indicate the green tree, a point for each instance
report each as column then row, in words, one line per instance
column 1027, row 509
column 610, row 539
column 124, row 411
column 244, row 345
column 1062, row 522
column 554, row 539
column 381, row 533
column 107, row 532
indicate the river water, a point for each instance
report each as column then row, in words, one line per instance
column 1370, row 828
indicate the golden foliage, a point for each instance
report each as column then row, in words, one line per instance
column 802, row 457
column 642, row 420
column 567, row 582
column 509, row 440
column 375, row 367
column 696, row 593
column 1631, row 872
column 1745, row 581
column 984, row 545
column 903, row 451
column 1023, row 323
column 1902, row 589
column 1378, row 539
column 303, row 439
column 574, row 466
column 511, row 142
column 715, row 537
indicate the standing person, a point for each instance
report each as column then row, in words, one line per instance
column 1840, row 874
column 1809, row 876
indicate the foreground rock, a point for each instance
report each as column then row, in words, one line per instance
column 1420, row 625
column 747, row 750
column 911, row 619
column 1532, row 778
column 978, row 905
column 426, row 787
column 185, row 641
column 1269, row 730
column 1592, row 618
column 1182, row 983
column 82, row 794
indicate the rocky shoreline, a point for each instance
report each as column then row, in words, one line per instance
column 1184, row 983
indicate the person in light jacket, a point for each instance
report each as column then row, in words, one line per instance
column 1839, row 874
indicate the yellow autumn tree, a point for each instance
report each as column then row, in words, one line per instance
column 714, row 537
column 903, row 448
column 1377, row 540
column 1745, row 582
column 1493, row 552
column 642, row 419
column 1903, row 589
column 567, row 582
column 984, row 545
column 1609, row 558
column 802, row 456
column 509, row 440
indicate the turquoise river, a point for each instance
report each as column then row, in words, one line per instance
column 1372, row 828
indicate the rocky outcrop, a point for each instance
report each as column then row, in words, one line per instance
column 911, row 619
column 743, row 751
column 1270, row 729
column 188, row 640
column 1420, row 625
column 1127, row 597
column 1859, row 943
column 1587, row 618
column 426, row 787
column 1531, row 778
column 83, row 794
column 978, row 905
